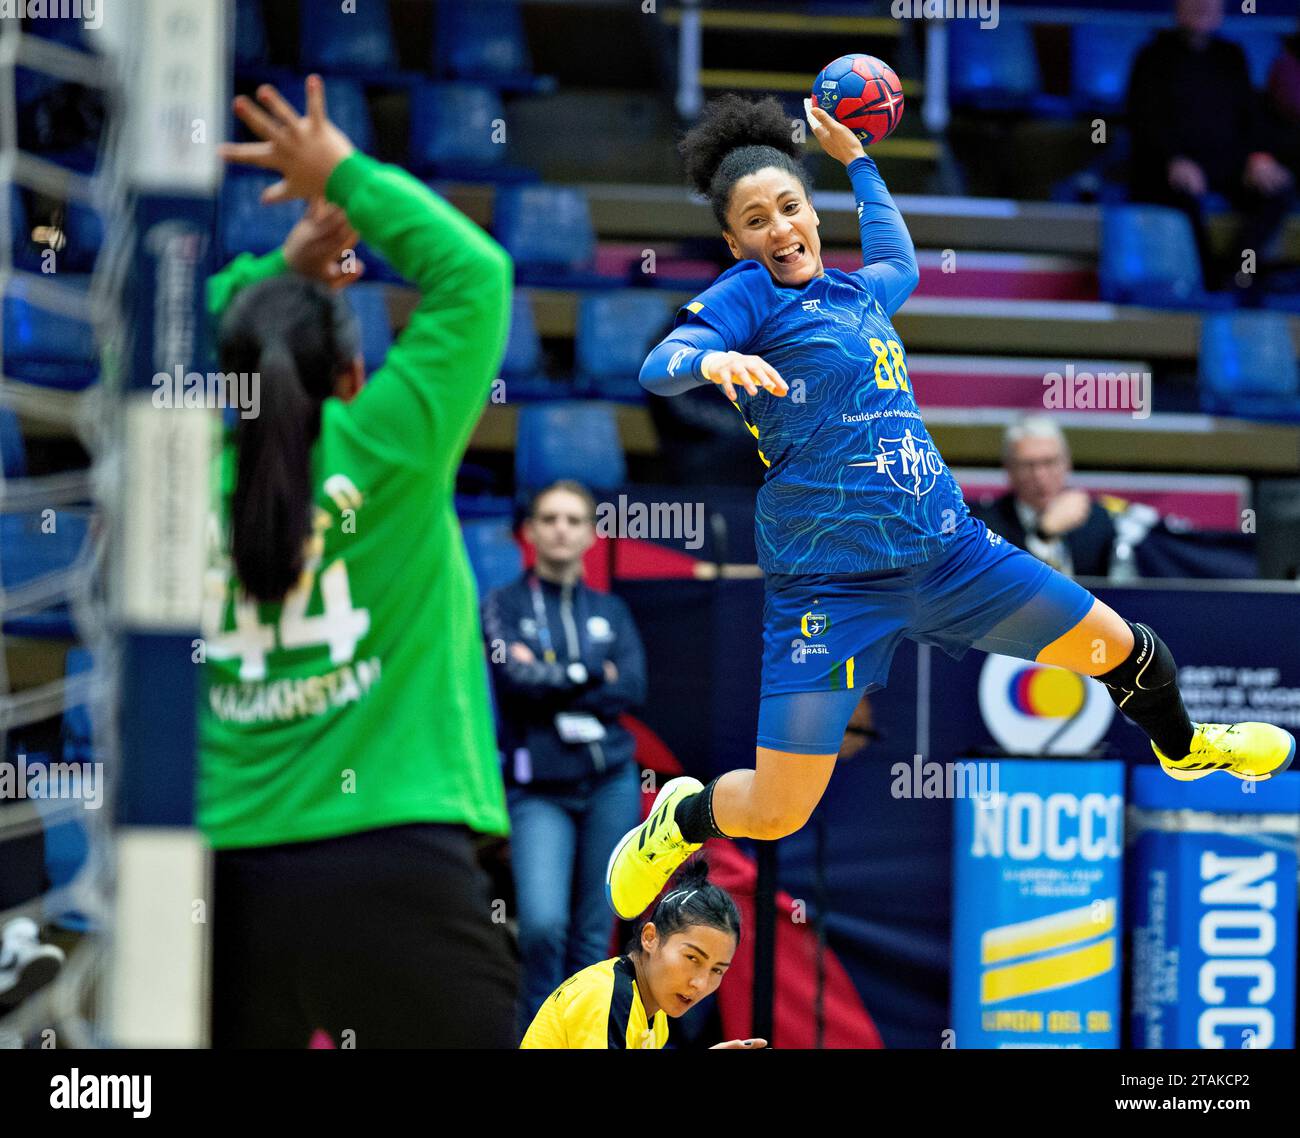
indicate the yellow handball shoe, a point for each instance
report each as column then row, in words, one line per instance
column 650, row 853
column 1250, row 751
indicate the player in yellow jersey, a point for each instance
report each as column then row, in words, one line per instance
column 678, row 958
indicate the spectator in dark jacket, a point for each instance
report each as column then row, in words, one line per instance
column 1041, row 514
column 1284, row 99
column 1199, row 127
column 566, row 662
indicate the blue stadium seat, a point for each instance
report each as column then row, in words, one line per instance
column 359, row 41
column 616, row 331
column 84, row 231
column 522, row 366
column 27, row 553
column 12, row 451
column 548, row 232
column 1261, row 48
column 250, row 34
column 66, row 30
column 494, row 555
column 1148, row 256
column 246, row 224
column 1102, row 57
column 452, row 129
column 369, row 304
column 1248, row 366
column 22, row 246
column 480, row 506
column 66, row 841
column 47, row 348
column 994, row 68
column 569, row 440
column 66, row 126
column 523, row 356
column 78, row 734
column 483, row 41
column 458, row 133
column 347, row 105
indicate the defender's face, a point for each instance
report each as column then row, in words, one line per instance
column 686, row 967
column 770, row 220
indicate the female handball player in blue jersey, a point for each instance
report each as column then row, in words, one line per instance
column 861, row 529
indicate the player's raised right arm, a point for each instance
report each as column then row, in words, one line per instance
column 888, row 256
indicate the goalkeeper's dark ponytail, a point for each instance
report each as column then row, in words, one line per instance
column 296, row 336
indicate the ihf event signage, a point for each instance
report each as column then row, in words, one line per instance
column 1212, row 887
column 1036, row 904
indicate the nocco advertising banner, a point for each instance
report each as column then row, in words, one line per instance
column 1212, row 902
column 1036, row 903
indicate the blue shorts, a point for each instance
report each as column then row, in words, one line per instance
column 829, row 639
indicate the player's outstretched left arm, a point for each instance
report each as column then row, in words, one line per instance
column 888, row 256
column 695, row 354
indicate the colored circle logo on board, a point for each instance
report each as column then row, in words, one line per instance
column 1032, row 709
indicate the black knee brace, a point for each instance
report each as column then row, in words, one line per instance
column 1148, row 667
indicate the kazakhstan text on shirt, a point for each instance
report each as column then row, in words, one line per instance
column 296, row 698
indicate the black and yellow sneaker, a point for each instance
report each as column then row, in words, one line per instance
column 1249, row 751
column 649, row 854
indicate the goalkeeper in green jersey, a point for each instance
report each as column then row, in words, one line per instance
column 348, row 767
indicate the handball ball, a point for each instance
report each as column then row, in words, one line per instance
column 863, row 93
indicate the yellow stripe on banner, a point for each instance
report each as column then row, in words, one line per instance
column 848, row 673
column 1050, row 972
column 1043, row 933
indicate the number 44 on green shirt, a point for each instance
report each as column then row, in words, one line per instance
column 361, row 700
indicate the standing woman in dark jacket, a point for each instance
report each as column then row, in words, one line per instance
column 567, row 661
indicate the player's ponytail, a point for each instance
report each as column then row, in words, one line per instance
column 736, row 137
column 296, row 336
column 691, row 899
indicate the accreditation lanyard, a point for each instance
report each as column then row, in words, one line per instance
column 543, row 625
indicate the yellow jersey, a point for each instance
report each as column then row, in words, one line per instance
column 596, row 1008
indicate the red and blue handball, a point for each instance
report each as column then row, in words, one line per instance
column 863, row 93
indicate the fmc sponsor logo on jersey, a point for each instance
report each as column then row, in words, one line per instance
column 911, row 464
column 1036, row 907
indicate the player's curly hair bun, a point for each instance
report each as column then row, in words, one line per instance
column 735, row 137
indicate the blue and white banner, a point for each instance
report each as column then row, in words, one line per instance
column 1036, row 903
column 1212, row 882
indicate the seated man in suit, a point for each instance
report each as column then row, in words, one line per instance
column 1061, row 526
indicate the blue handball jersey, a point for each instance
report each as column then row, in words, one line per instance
column 854, row 483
